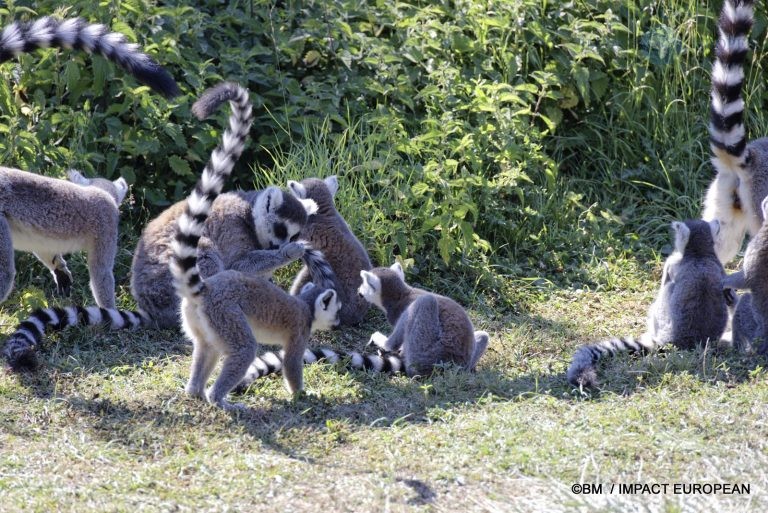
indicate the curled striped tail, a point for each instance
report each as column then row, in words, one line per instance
column 272, row 362
column 582, row 370
column 20, row 349
column 187, row 279
column 24, row 37
column 726, row 128
column 320, row 271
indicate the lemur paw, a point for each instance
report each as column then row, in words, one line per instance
column 378, row 339
column 293, row 250
column 63, row 280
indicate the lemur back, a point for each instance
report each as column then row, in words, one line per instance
column 428, row 328
column 229, row 313
column 689, row 309
column 741, row 183
column 327, row 231
column 51, row 217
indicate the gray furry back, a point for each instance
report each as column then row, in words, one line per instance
column 21, row 37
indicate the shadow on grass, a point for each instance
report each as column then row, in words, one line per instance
column 516, row 368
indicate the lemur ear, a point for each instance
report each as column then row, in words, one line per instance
column 332, row 182
column 307, row 286
column 682, row 233
column 371, row 279
column 398, row 269
column 75, row 177
column 310, row 206
column 714, row 225
column 274, row 198
column 764, row 207
column 122, row 189
column 327, row 298
column 297, row 189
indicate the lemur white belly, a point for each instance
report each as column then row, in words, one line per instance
column 26, row 238
column 267, row 336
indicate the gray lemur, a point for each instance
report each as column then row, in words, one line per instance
column 690, row 307
column 52, row 217
column 734, row 196
column 20, row 348
column 428, row 328
column 327, row 231
column 230, row 312
column 749, row 321
column 254, row 232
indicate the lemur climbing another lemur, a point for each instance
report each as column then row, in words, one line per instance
column 230, row 313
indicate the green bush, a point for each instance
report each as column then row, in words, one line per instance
column 514, row 139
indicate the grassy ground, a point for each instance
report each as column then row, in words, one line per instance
column 104, row 424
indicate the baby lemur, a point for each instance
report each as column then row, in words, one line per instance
column 327, row 231
column 52, row 217
column 690, row 307
column 428, row 329
column 229, row 313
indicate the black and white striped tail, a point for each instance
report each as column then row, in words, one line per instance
column 21, row 347
column 24, row 37
column 726, row 128
column 320, row 271
column 582, row 370
column 272, row 362
column 187, row 279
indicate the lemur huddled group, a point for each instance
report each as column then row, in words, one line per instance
column 205, row 264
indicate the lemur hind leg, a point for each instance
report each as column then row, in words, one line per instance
column 7, row 265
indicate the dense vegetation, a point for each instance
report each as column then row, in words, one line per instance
column 514, row 139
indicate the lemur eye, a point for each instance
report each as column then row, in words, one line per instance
column 295, row 237
column 279, row 230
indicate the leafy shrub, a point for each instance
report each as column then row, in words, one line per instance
column 515, row 139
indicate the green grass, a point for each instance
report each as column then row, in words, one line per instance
column 104, row 425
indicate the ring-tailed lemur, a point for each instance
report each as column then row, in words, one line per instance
column 428, row 328
column 229, row 313
column 327, row 231
column 254, row 232
column 690, row 307
column 52, row 217
column 272, row 362
column 21, row 37
column 750, row 321
column 741, row 183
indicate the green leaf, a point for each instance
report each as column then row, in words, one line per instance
column 180, row 166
